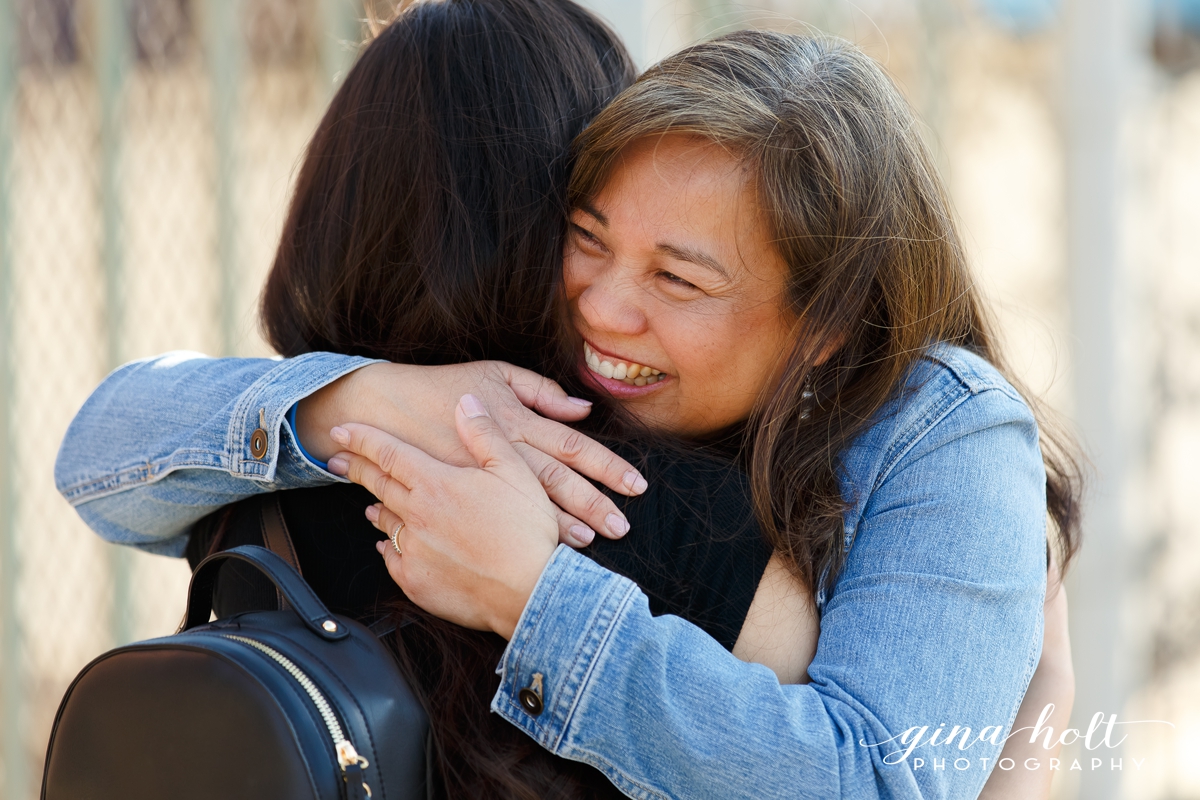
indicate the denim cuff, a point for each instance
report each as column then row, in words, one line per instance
column 266, row 405
column 562, row 635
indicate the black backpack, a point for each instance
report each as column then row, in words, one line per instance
column 288, row 704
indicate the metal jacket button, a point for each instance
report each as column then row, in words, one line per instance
column 258, row 443
column 531, row 695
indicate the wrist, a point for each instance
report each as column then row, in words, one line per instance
column 333, row 404
column 507, row 614
column 312, row 414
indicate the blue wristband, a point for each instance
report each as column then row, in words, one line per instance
column 291, row 418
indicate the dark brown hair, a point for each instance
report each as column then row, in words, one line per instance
column 429, row 212
column 427, row 227
column 877, row 271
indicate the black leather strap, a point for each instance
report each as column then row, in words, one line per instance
column 276, row 537
column 304, row 602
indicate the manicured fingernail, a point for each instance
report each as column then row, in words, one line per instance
column 472, row 407
column 617, row 525
column 340, row 435
column 372, row 513
column 583, row 534
column 338, row 465
column 634, row 482
column 379, row 548
column 579, row 401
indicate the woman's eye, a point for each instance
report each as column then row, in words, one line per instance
column 675, row 280
column 586, row 238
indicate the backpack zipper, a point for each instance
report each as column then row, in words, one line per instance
column 347, row 756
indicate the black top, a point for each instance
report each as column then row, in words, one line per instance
column 693, row 547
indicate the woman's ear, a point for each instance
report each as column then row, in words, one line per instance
column 830, row 348
column 811, row 336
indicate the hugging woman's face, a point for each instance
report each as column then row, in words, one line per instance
column 674, row 284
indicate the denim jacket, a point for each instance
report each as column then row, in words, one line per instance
column 929, row 636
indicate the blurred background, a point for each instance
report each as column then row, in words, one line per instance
column 147, row 148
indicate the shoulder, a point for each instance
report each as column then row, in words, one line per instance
column 952, row 393
column 948, row 364
column 949, row 472
column 947, row 402
column 948, row 393
column 946, row 375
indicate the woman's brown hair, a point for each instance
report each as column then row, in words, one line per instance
column 877, row 273
column 427, row 227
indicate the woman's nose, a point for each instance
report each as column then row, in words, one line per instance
column 612, row 305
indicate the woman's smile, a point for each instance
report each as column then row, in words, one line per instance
column 623, row 378
column 629, row 371
column 675, row 287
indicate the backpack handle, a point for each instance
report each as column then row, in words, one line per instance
column 304, row 601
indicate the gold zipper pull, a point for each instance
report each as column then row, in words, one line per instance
column 352, row 764
column 347, row 755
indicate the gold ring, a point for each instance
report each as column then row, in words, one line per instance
column 395, row 533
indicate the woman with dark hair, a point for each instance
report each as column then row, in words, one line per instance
column 427, row 228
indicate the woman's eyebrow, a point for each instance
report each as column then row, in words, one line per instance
column 693, row 256
column 590, row 210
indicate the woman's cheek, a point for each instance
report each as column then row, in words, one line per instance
column 710, row 347
column 571, row 277
column 579, row 271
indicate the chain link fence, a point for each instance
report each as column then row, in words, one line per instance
column 146, row 154
column 149, row 146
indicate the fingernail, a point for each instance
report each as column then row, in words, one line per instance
column 579, row 401
column 338, row 465
column 472, row 407
column 379, row 548
column 372, row 513
column 617, row 525
column 340, row 435
column 634, row 482
column 583, row 534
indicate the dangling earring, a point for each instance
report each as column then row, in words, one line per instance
column 806, row 397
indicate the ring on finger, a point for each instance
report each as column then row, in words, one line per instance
column 396, row 532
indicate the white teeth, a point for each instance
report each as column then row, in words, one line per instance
column 632, row 374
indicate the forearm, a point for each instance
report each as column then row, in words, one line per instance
column 656, row 704
column 369, row 396
column 163, row 442
column 1024, row 768
column 665, row 711
column 1046, row 709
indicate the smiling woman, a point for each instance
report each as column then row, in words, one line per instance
column 695, row 291
column 758, row 218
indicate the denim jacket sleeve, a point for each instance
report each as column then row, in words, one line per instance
column 164, row 441
column 935, row 621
